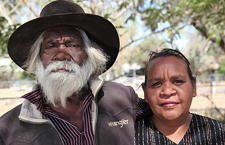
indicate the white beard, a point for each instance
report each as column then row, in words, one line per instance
column 58, row 86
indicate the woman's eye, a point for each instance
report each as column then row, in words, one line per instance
column 156, row 84
column 177, row 82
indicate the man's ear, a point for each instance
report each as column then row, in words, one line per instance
column 194, row 87
column 145, row 92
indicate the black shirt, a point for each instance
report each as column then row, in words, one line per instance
column 202, row 131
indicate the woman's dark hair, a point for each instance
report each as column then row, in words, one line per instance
column 169, row 52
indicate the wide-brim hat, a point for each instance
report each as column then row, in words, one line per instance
column 61, row 12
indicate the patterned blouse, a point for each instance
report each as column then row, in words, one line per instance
column 202, row 131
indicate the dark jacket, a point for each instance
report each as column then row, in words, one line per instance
column 113, row 117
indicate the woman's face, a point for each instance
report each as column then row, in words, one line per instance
column 169, row 90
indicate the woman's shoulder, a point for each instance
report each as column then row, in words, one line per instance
column 210, row 130
column 145, row 122
column 207, row 121
column 197, row 116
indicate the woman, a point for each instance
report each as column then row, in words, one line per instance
column 169, row 88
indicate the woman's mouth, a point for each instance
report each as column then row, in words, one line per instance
column 169, row 104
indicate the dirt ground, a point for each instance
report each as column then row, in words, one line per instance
column 9, row 98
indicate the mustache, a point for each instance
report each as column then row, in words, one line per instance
column 69, row 66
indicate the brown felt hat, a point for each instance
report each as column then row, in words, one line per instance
column 63, row 12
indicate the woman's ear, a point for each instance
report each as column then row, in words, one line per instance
column 194, row 87
column 145, row 92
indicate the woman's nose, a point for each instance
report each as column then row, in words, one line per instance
column 167, row 89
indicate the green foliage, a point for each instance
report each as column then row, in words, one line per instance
column 5, row 33
column 221, row 69
column 140, row 54
column 167, row 17
column 3, row 41
column 25, row 76
column 2, row 22
column 207, row 16
column 197, row 60
column 222, row 119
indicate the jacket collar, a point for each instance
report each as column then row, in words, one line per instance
column 29, row 112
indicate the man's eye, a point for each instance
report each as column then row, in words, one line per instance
column 49, row 46
column 72, row 45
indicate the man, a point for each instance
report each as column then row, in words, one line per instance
column 67, row 49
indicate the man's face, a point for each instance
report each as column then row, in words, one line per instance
column 64, row 67
column 62, row 43
column 169, row 90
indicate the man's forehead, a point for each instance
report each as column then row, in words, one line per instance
column 62, row 31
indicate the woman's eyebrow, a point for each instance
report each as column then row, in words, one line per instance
column 154, row 79
column 178, row 76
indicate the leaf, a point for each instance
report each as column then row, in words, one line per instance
column 218, row 39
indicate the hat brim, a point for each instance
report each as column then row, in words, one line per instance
column 97, row 28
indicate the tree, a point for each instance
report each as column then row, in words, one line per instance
column 141, row 52
column 202, row 59
column 160, row 17
column 221, row 70
column 206, row 16
column 5, row 33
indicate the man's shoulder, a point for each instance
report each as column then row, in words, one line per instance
column 115, row 85
column 116, row 89
column 16, row 131
column 119, row 95
column 9, row 121
column 10, row 115
column 112, row 83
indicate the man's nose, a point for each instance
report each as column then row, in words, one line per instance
column 62, row 53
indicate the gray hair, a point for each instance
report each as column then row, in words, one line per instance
column 95, row 53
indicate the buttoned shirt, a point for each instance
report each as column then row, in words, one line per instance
column 69, row 133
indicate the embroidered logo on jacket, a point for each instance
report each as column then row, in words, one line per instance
column 118, row 123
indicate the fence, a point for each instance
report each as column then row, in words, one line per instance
column 209, row 101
